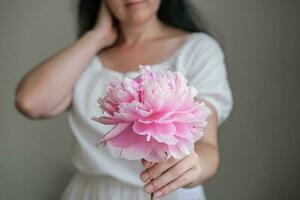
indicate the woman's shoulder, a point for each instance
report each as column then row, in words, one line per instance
column 202, row 41
column 201, row 46
column 201, row 51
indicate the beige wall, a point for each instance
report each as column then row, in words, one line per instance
column 259, row 143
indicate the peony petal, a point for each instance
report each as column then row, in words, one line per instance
column 160, row 132
column 131, row 145
column 157, row 117
column 175, row 152
column 140, row 128
column 183, row 131
column 159, row 153
column 116, row 130
column 125, row 139
column 126, row 117
column 106, row 120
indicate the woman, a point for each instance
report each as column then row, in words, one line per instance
column 124, row 34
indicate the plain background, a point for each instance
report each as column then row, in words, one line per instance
column 260, row 142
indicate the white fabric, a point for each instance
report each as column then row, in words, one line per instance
column 92, row 187
column 103, row 177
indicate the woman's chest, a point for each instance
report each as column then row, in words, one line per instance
column 124, row 59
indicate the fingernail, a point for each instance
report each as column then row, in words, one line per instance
column 145, row 176
column 149, row 188
column 157, row 194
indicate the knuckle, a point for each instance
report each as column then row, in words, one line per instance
column 168, row 188
column 197, row 170
column 154, row 172
column 173, row 186
column 173, row 160
column 183, row 181
column 165, row 190
column 151, row 173
column 194, row 157
column 156, row 184
column 175, row 171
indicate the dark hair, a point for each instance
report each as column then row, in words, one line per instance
column 177, row 13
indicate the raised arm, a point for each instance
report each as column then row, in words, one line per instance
column 46, row 90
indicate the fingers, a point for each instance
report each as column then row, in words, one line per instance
column 147, row 164
column 104, row 13
column 181, row 181
column 171, row 174
column 157, row 169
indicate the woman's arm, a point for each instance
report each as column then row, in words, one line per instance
column 207, row 149
column 192, row 170
column 46, row 90
column 48, row 86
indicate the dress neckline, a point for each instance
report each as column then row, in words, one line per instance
column 153, row 66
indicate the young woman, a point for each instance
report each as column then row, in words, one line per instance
column 115, row 37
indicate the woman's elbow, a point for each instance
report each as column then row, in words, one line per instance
column 26, row 106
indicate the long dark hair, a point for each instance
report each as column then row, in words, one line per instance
column 177, row 13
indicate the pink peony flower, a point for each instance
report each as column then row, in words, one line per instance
column 155, row 115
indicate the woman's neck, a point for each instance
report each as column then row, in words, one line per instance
column 132, row 34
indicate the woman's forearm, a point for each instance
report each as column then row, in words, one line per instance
column 209, row 160
column 50, row 84
column 207, row 148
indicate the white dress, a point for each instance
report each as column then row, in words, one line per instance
column 103, row 177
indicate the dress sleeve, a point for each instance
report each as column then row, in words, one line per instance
column 206, row 71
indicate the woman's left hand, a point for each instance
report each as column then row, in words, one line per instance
column 165, row 177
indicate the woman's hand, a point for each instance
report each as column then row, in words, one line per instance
column 165, row 177
column 104, row 26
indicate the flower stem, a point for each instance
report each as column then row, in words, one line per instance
column 151, row 196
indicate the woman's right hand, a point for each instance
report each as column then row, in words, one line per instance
column 104, row 25
column 59, row 73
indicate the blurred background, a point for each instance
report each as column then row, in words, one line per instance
column 260, row 142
